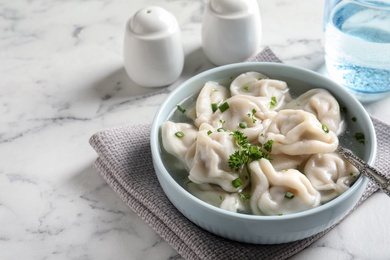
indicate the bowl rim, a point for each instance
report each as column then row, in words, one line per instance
column 155, row 148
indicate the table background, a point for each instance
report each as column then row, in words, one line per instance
column 62, row 80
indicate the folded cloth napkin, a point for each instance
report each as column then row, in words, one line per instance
column 124, row 160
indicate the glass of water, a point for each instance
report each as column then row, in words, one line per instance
column 357, row 46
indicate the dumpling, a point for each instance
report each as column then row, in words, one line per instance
column 240, row 84
column 258, row 85
column 216, row 196
column 212, row 94
column 297, row 132
column 330, row 174
column 254, row 112
column 177, row 138
column 209, row 164
column 277, row 90
column 259, row 185
column 288, row 191
column 284, row 161
column 323, row 105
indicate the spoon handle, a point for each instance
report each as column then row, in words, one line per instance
column 381, row 180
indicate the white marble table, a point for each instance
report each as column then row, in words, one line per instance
column 62, row 79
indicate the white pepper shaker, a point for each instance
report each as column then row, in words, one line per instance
column 153, row 52
column 231, row 30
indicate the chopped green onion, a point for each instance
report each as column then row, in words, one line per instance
column 209, row 132
column 237, row 183
column 252, row 115
column 222, row 129
column 180, row 134
column 243, row 124
column 325, row 128
column 288, row 195
column 181, row 109
column 273, row 102
column 359, row 137
column 214, row 107
column 246, row 88
column 223, row 107
column 244, row 197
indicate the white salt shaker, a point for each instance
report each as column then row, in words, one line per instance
column 153, row 52
column 231, row 30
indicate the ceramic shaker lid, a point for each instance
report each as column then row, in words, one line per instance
column 152, row 20
column 230, row 7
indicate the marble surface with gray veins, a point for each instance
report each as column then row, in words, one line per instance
column 62, row 80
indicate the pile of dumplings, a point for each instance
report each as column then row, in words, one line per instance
column 302, row 163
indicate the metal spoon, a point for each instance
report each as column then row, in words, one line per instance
column 381, row 180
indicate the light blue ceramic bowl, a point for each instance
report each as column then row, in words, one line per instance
column 264, row 229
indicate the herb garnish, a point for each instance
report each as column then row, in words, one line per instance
column 179, row 134
column 252, row 115
column 273, row 102
column 246, row 152
column 268, row 145
column 325, row 128
column 288, row 195
column 214, row 107
column 246, row 88
column 359, row 137
column 244, row 197
column 237, row 183
column 181, row 109
column 243, row 124
column 223, row 107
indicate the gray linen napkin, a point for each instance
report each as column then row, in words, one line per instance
column 124, row 161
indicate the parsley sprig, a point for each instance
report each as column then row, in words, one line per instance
column 246, row 152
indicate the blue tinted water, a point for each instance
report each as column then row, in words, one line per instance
column 357, row 46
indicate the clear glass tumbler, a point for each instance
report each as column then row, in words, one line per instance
column 357, row 46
